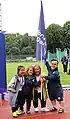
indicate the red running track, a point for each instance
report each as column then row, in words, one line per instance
column 5, row 111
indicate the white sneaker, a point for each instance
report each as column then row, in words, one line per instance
column 44, row 109
column 36, row 109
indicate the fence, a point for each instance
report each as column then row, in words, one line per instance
column 58, row 55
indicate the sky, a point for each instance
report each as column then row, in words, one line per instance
column 22, row 16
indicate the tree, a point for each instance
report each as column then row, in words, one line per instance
column 12, row 42
column 33, row 43
column 17, row 42
column 27, row 50
column 25, row 40
column 14, row 51
column 66, row 34
column 54, row 35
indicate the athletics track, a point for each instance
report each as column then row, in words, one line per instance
column 5, row 112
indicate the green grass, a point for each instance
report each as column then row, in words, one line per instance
column 12, row 69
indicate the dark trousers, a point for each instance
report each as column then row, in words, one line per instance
column 65, row 67
column 20, row 101
column 36, row 97
column 14, row 109
column 21, row 98
column 28, row 99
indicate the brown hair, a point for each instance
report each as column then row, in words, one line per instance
column 28, row 69
column 37, row 65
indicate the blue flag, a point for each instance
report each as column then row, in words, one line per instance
column 41, row 41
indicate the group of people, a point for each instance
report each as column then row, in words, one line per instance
column 29, row 84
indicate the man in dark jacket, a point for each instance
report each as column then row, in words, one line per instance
column 69, row 65
column 64, row 61
column 55, row 90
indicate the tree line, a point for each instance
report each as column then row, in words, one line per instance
column 56, row 37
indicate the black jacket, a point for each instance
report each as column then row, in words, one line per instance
column 53, row 78
column 29, row 83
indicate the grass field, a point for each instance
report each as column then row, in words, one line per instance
column 12, row 69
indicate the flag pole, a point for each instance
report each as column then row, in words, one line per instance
column 41, row 45
column 41, row 71
column 41, row 59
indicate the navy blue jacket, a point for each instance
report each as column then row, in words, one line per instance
column 30, row 82
column 64, row 60
column 53, row 78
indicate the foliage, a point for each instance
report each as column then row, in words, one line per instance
column 27, row 50
column 56, row 37
column 20, row 44
column 54, row 34
column 66, row 34
column 16, row 49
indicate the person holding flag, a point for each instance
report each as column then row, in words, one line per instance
column 54, row 86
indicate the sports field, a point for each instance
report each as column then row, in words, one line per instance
column 12, row 69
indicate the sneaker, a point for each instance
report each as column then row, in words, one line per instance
column 28, row 112
column 36, row 109
column 44, row 109
column 22, row 112
column 14, row 115
column 53, row 109
column 61, row 110
column 18, row 112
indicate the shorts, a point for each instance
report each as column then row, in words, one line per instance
column 56, row 94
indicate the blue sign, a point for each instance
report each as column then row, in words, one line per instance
column 3, row 85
